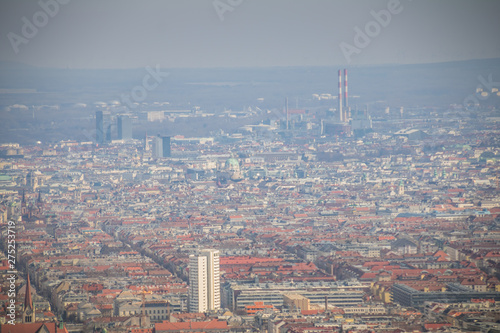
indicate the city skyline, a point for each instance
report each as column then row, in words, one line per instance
column 335, row 222
column 257, row 166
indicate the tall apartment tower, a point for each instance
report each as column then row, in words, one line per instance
column 204, row 281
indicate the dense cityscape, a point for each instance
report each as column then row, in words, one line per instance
column 263, row 166
column 310, row 220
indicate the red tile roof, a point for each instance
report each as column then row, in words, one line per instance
column 191, row 326
column 31, row 328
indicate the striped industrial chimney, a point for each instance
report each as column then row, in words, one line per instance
column 346, row 105
column 341, row 118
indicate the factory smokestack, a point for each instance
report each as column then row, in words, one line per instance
column 341, row 118
column 346, row 105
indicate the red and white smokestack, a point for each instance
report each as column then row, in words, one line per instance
column 340, row 97
column 346, row 105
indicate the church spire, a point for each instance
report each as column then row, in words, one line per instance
column 28, row 310
column 28, row 302
column 146, row 143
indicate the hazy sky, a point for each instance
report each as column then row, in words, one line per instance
column 228, row 33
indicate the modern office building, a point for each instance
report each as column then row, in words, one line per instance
column 103, row 128
column 204, row 281
column 161, row 146
column 237, row 296
column 108, row 133
column 99, row 127
column 454, row 293
column 124, row 128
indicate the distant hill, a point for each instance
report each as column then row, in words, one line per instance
column 438, row 84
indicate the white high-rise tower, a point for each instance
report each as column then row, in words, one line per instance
column 204, row 281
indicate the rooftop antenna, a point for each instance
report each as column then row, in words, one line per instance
column 286, row 109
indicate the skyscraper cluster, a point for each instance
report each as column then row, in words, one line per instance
column 104, row 128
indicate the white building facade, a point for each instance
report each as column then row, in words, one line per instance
column 204, row 281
